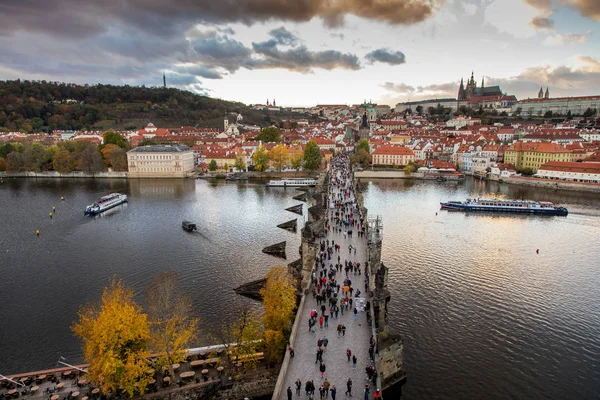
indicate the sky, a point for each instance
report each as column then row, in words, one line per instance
column 307, row 52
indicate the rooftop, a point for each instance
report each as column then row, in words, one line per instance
column 161, row 148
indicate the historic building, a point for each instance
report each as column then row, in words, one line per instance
column 483, row 97
column 393, row 155
column 533, row 155
column 558, row 105
column 160, row 161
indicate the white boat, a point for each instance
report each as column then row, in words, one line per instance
column 292, row 182
column 105, row 203
column 511, row 206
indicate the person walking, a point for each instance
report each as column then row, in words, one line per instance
column 298, row 387
column 355, row 314
column 326, row 386
column 325, row 343
column 349, row 387
column 348, row 354
column 354, row 361
column 322, row 368
column 289, row 393
column 367, row 390
column 291, row 349
column 333, row 392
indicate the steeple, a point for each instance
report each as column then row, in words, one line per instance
column 482, row 82
column 164, row 80
column 541, row 93
column 267, row 101
column 274, row 105
column 547, row 95
column 461, row 90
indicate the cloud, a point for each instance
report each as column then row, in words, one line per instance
column 542, row 23
column 587, row 8
column 543, row 5
column 176, row 79
column 221, row 51
column 89, row 18
column 440, row 90
column 283, row 36
column 200, row 70
column 568, row 38
column 386, row 56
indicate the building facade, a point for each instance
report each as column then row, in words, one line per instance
column 393, row 155
column 533, row 155
column 558, row 105
column 160, row 161
column 570, row 171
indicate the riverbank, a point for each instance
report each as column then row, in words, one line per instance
column 549, row 184
column 70, row 175
column 399, row 174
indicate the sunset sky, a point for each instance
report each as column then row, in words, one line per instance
column 305, row 52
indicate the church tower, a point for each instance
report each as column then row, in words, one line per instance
column 482, row 82
column 547, row 95
column 225, row 123
column 471, row 86
column 274, row 105
column 541, row 93
column 461, row 91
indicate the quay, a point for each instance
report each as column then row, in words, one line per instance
column 369, row 325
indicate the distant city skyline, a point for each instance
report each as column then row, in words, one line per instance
column 339, row 52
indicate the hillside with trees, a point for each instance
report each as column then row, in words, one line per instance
column 41, row 106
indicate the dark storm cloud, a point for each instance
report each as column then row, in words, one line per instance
column 386, row 56
column 220, row 51
column 542, row 23
column 81, row 18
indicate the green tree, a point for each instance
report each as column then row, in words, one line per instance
column 261, row 159
column 240, row 164
column 589, row 113
column 62, row 162
column 112, row 137
column 362, row 157
column 411, row 167
column 6, row 149
column 363, row 144
column 312, row 156
column 548, row 114
column 212, row 165
column 37, row 123
column 270, row 134
column 15, row 161
column 419, row 109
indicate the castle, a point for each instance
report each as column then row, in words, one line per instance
column 483, row 97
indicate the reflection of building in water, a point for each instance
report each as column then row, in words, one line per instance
column 160, row 161
column 169, row 188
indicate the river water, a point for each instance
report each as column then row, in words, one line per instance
column 481, row 314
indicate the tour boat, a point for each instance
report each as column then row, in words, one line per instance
column 292, row 182
column 106, row 202
column 509, row 206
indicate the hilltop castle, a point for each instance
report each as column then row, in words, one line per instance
column 483, row 97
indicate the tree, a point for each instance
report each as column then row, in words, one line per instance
column 115, row 334
column 296, row 159
column 90, row 159
column 589, row 113
column 261, row 159
column 279, row 302
column 240, row 164
column 362, row 157
column 62, row 162
column 270, row 134
column 279, row 155
column 212, row 165
column 363, row 144
column 240, row 335
column 411, row 167
column 147, row 142
column 118, row 160
column 3, row 164
column 171, row 324
column 112, row 137
column 15, row 161
column 312, row 156
column 107, row 151
column 419, row 109
column 548, row 114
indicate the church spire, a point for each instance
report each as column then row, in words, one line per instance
column 547, row 95
column 541, row 93
column 482, row 82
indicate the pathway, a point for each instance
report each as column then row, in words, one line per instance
column 302, row 365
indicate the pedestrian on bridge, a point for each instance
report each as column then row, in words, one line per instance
column 322, row 368
column 349, row 387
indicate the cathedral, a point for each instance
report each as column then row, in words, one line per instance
column 482, row 97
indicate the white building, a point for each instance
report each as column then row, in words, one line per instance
column 558, row 105
column 160, row 161
column 570, row 171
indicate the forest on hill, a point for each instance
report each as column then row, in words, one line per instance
column 41, row 106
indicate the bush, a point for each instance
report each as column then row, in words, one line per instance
column 220, row 176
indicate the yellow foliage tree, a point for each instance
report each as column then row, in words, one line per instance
column 107, row 150
column 275, row 343
column 261, row 159
column 115, row 334
column 171, row 324
column 280, row 156
column 296, row 158
column 240, row 336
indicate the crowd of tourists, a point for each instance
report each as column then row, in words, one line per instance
column 337, row 295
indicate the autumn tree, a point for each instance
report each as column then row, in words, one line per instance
column 240, row 335
column 312, row 156
column 118, row 160
column 172, row 326
column 107, row 150
column 90, row 159
column 261, row 159
column 296, row 159
column 3, row 164
column 62, row 162
column 279, row 155
column 279, row 302
column 115, row 335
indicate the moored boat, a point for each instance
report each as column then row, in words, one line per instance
column 292, row 182
column 105, row 203
column 189, row 226
column 506, row 206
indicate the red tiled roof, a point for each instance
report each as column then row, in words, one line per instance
column 585, row 167
column 394, row 150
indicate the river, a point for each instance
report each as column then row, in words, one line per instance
column 482, row 315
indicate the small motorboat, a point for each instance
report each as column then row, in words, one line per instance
column 189, row 226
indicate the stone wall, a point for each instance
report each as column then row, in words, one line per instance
column 54, row 174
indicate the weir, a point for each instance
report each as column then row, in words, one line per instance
column 366, row 250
